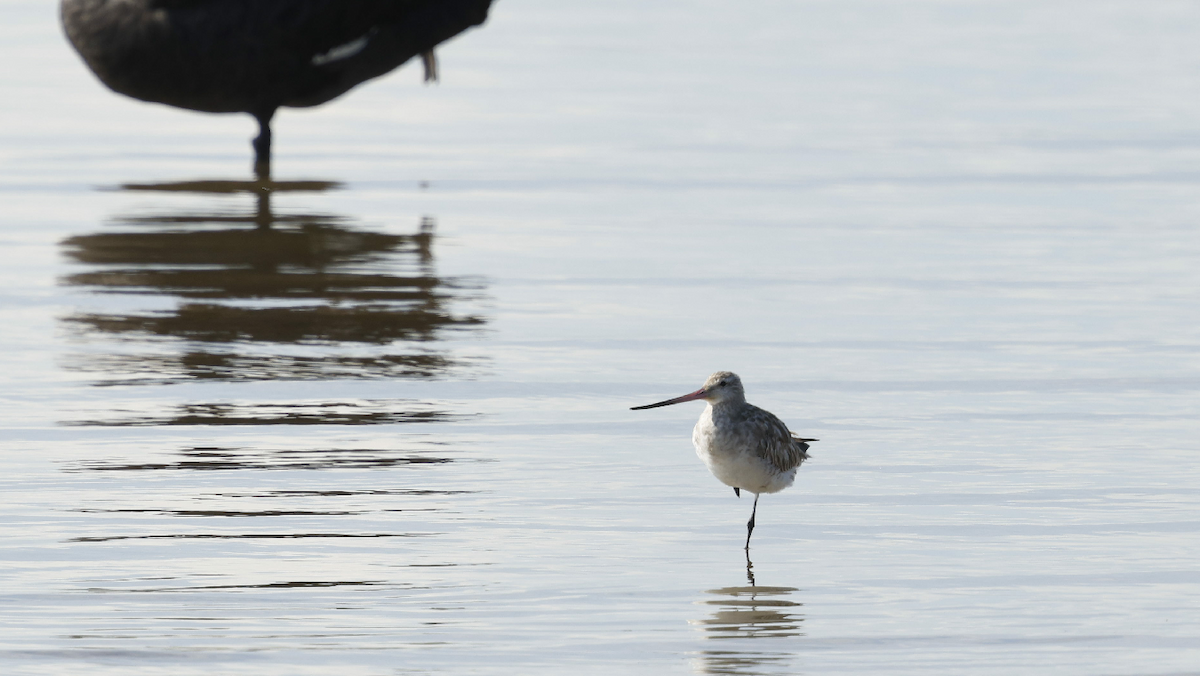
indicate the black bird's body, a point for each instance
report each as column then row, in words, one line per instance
column 254, row 56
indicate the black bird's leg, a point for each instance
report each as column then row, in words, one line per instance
column 263, row 217
column 750, row 524
column 429, row 60
column 262, row 145
column 737, row 491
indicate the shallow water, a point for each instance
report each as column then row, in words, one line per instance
column 390, row 433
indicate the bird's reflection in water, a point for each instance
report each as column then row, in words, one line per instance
column 294, row 296
column 323, row 412
column 750, row 612
column 213, row 293
column 216, row 459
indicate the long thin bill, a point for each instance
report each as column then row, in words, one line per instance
column 698, row 394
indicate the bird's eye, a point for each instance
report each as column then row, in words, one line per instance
column 722, row 384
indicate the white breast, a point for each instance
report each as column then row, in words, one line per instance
column 731, row 455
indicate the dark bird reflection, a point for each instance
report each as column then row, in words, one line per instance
column 294, row 296
column 222, row 587
column 753, row 611
column 209, row 458
column 307, row 413
column 243, row 536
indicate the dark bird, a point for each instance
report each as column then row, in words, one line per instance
column 743, row 445
column 253, row 56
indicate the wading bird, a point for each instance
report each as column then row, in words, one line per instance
column 254, row 56
column 744, row 446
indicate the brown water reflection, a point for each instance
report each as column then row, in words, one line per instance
column 219, row 512
column 261, row 303
column 268, row 585
column 206, row 458
column 245, row 536
column 339, row 493
column 211, row 293
column 753, row 611
column 315, row 413
column 150, row 369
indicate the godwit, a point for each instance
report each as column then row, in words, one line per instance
column 743, row 445
column 237, row 56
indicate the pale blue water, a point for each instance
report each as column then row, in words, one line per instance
column 955, row 241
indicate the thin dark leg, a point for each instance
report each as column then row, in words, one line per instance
column 749, row 568
column 750, row 526
column 262, row 145
column 429, row 59
column 263, row 217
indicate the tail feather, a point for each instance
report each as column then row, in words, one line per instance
column 802, row 444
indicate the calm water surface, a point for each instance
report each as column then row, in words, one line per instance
column 376, row 422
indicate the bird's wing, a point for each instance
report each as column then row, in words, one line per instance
column 316, row 27
column 178, row 4
column 319, row 26
column 778, row 445
column 306, row 28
